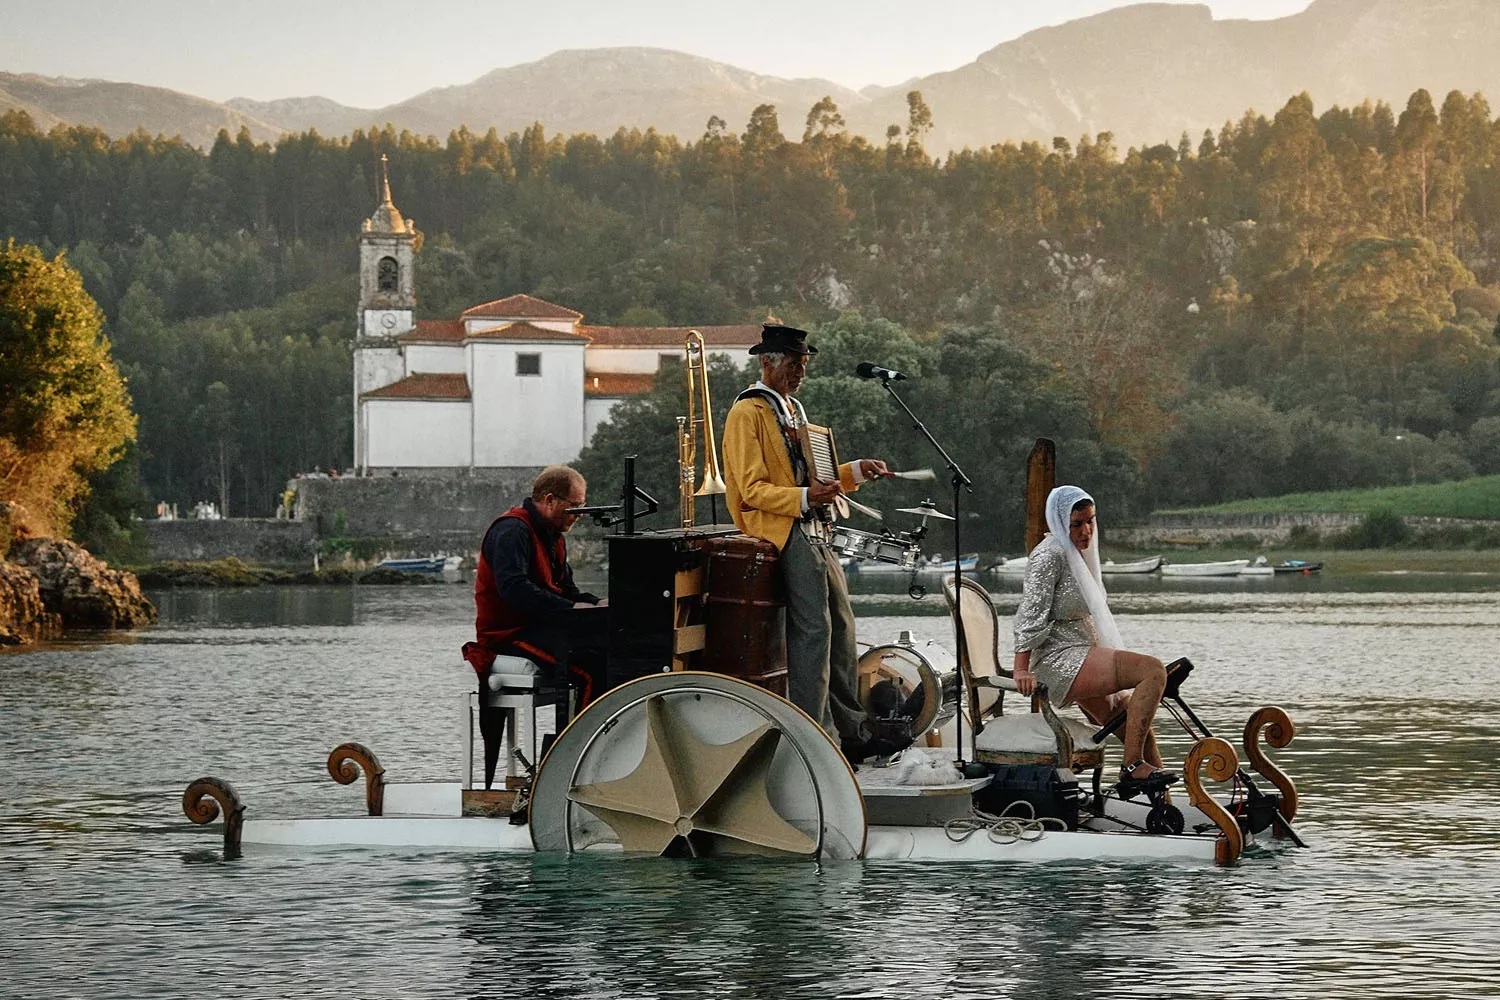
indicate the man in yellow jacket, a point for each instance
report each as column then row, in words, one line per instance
column 771, row 495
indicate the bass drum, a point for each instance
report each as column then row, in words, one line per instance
column 916, row 667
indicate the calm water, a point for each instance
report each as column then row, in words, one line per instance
column 107, row 891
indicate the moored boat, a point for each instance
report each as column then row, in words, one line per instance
column 1230, row 567
column 1259, row 568
column 430, row 564
column 1298, row 566
column 1150, row 564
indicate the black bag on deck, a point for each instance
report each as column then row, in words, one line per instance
column 1050, row 791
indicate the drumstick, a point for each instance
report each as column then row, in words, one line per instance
column 919, row 474
column 867, row 511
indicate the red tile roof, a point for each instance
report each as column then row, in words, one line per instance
column 670, row 336
column 617, row 383
column 430, row 331
column 427, row 385
column 520, row 307
column 525, row 331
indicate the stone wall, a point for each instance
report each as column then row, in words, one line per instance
column 260, row 541
column 419, row 515
column 1270, row 529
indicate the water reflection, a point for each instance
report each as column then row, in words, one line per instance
column 1395, row 695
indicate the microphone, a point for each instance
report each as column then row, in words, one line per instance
column 866, row 370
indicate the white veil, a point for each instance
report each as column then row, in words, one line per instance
column 1083, row 565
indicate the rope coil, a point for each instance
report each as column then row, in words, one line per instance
column 1004, row 828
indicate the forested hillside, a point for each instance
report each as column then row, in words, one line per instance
column 1300, row 302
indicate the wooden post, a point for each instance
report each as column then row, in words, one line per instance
column 1041, row 476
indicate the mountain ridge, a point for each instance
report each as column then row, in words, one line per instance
column 1146, row 72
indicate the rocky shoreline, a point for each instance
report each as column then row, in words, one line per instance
column 48, row 585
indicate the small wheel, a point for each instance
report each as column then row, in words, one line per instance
column 1164, row 818
column 696, row 764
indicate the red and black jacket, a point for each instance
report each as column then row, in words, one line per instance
column 523, row 577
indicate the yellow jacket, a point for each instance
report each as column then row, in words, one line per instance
column 760, row 491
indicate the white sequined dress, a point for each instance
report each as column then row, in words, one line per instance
column 1053, row 621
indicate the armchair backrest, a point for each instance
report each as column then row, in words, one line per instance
column 978, row 631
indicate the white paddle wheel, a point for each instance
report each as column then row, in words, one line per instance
column 694, row 764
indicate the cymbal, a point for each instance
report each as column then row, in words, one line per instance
column 926, row 510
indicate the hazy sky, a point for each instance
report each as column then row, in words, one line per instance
column 370, row 53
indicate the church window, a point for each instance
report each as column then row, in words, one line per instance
column 528, row 364
column 387, row 274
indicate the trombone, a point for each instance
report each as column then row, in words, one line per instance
column 687, row 433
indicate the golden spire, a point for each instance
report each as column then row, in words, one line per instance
column 387, row 218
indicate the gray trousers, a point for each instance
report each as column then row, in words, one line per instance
column 822, row 666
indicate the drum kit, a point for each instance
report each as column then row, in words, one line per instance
column 909, row 688
column 902, row 549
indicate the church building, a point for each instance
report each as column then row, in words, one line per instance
column 517, row 382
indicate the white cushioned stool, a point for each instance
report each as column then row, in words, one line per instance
column 1029, row 734
column 516, row 687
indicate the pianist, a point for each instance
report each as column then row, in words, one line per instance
column 525, row 600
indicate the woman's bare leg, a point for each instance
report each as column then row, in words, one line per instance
column 1106, row 671
column 1103, row 708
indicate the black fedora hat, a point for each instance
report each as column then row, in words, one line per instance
column 782, row 340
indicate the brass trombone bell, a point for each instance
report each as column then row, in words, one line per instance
column 687, row 432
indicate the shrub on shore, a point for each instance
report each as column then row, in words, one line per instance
column 1380, row 529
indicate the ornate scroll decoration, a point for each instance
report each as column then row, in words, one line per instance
column 205, row 798
column 1279, row 731
column 1222, row 764
column 344, row 765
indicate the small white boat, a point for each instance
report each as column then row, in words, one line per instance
column 1010, row 567
column 1148, row 565
column 1259, row 568
column 1229, row 567
column 970, row 565
column 431, row 564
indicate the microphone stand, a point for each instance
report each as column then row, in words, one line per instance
column 961, row 482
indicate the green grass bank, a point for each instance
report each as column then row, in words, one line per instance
column 1468, row 498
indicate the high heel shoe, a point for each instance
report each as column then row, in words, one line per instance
column 1130, row 786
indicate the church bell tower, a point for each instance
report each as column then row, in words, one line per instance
column 387, row 303
column 387, row 244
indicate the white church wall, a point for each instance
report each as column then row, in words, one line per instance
column 410, row 433
column 596, row 410
column 646, row 360
column 526, row 419
column 430, row 358
column 375, row 367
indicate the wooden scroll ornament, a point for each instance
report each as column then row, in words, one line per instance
column 205, row 799
column 1222, row 764
column 1279, row 730
column 344, row 765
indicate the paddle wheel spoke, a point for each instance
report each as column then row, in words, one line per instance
column 690, row 798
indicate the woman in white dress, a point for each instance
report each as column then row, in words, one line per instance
column 1066, row 638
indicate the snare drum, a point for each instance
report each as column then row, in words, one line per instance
column 858, row 544
column 914, row 666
